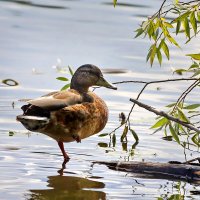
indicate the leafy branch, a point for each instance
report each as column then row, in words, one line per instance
column 175, row 121
column 164, row 114
column 160, row 29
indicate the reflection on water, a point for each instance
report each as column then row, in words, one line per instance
column 121, row 4
column 68, row 187
column 30, row 3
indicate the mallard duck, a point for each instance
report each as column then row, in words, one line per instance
column 69, row 115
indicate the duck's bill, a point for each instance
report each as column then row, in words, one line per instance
column 102, row 82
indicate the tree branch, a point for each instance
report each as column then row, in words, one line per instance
column 162, row 113
column 159, row 81
column 185, row 93
column 146, row 83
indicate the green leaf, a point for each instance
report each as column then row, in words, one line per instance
column 194, row 56
column 11, row 133
column 134, row 135
column 157, row 130
column 165, row 49
column 114, row 2
column 198, row 15
column 196, row 73
column 153, row 53
column 161, row 43
column 196, row 139
column 182, row 129
column 168, row 25
column 160, row 123
column 165, row 130
column 193, row 111
column 194, row 66
column 165, row 30
column 193, row 21
column 176, row 197
column 114, row 140
column 159, row 56
column 172, row 40
column 139, row 32
column 182, row 115
column 124, row 134
column 149, row 54
column 150, row 29
column 178, row 25
column 176, row 1
column 173, row 133
column 192, row 106
column 186, row 27
column 155, row 35
column 124, row 146
column 102, row 144
column 181, row 17
column 167, row 138
column 170, row 105
column 65, row 87
column 179, row 71
column 70, row 70
column 145, row 24
column 103, row 134
column 62, row 78
column 157, row 24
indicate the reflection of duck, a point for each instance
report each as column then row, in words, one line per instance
column 68, row 187
column 69, row 115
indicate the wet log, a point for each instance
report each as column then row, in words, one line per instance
column 188, row 172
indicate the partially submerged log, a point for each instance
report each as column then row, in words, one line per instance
column 173, row 171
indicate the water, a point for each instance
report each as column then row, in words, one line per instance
column 34, row 34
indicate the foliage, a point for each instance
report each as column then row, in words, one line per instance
column 161, row 30
column 67, row 85
column 158, row 28
column 188, row 113
column 114, row 2
column 11, row 133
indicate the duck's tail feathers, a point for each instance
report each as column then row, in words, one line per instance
column 33, row 123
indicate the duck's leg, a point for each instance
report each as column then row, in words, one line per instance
column 66, row 157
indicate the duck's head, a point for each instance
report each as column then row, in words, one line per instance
column 88, row 75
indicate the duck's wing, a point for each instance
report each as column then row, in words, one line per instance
column 57, row 100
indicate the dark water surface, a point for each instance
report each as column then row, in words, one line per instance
column 34, row 34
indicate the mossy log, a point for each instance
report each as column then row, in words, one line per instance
column 189, row 172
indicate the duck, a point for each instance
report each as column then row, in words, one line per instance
column 69, row 115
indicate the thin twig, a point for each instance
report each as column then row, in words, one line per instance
column 159, row 81
column 162, row 113
column 152, row 82
column 185, row 93
column 159, row 11
column 185, row 3
column 195, row 115
column 192, row 160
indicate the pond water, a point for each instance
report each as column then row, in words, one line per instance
column 36, row 35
